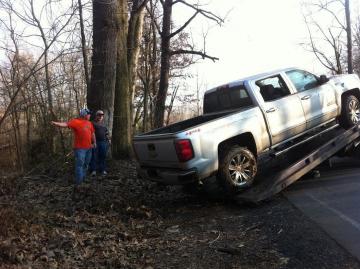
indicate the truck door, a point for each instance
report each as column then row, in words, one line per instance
column 283, row 112
column 318, row 100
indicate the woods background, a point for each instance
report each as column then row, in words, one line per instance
column 128, row 58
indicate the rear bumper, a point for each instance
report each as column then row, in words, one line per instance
column 168, row 176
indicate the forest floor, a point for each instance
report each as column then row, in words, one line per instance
column 120, row 221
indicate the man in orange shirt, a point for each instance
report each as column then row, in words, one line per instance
column 84, row 141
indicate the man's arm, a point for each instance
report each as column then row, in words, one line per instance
column 93, row 140
column 60, row 124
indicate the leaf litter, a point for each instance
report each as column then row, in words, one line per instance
column 121, row 221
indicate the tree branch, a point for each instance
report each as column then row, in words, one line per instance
column 203, row 12
column 142, row 5
column 315, row 50
column 184, row 26
column 157, row 26
column 200, row 53
column 322, row 6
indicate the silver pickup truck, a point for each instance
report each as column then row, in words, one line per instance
column 243, row 120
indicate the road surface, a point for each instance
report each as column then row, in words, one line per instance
column 333, row 201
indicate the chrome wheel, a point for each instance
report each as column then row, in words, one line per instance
column 237, row 169
column 350, row 111
column 354, row 111
column 241, row 169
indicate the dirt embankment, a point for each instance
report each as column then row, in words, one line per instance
column 120, row 221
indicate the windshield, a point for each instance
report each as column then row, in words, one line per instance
column 226, row 99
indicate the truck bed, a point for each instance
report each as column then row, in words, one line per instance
column 187, row 124
column 158, row 148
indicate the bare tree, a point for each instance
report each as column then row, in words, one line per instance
column 128, row 45
column 149, row 68
column 103, row 71
column 83, row 45
column 35, row 77
column 349, row 37
column 331, row 34
column 29, row 17
column 171, row 104
column 357, row 46
column 167, row 34
column 333, row 63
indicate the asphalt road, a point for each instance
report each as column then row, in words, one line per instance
column 333, row 201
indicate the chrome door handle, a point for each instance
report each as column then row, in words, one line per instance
column 305, row 97
column 270, row 110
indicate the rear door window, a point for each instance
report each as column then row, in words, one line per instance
column 227, row 99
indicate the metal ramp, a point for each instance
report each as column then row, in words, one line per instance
column 275, row 181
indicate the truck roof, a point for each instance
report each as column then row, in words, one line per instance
column 253, row 77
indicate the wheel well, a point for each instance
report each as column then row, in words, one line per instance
column 355, row 92
column 246, row 140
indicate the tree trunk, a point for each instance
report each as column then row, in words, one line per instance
column 128, row 43
column 145, row 80
column 170, row 107
column 145, row 104
column 122, row 122
column 83, row 47
column 165, row 65
column 349, row 38
column 103, row 72
column 154, row 73
column 133, row 44
column 50, row 132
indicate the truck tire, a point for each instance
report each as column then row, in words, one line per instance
column 350, row 111
column 237, row 169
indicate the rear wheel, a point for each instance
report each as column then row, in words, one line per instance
column 350, row 112
column 237, row 169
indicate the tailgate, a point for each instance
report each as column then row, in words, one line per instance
column 159, row 152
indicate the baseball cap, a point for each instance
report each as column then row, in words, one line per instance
column 99, row 112
column 84, row 111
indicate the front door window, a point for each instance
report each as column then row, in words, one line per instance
column 302, row 80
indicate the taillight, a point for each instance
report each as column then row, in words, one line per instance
column 184, row 150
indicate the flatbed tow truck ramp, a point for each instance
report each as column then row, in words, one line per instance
column 301, row 160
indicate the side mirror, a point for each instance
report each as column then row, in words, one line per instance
column 323, row 79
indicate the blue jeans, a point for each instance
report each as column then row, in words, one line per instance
column 82, row 160
column 98, row 159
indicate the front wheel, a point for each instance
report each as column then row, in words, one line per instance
column 237, row 169
column 350, row 112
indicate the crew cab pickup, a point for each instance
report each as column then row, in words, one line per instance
column 243, row 120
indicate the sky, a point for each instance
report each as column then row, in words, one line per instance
column 257, row 36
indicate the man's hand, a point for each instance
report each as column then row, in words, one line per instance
column 94, row 145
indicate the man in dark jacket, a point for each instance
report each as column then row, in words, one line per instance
column 98, row 160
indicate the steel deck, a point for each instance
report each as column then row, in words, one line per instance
column 276, row 180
